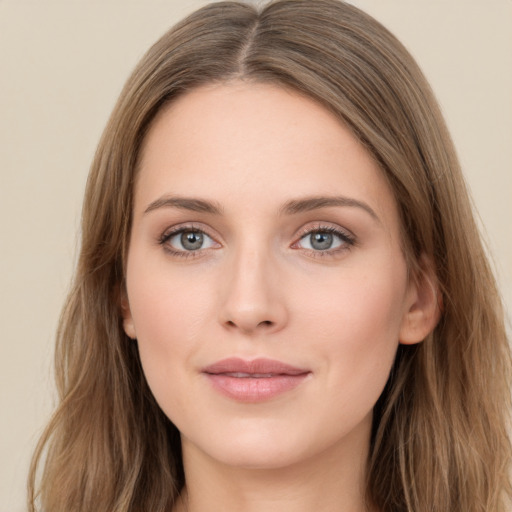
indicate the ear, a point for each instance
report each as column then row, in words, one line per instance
column 126, row 314
column 423, row 305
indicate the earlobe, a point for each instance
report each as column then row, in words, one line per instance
column 424, row 305
column 126, row 313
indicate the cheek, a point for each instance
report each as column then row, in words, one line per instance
column 356, row 326
column 164, row 299
column 168, row 313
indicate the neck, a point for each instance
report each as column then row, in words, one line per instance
column 333, row 481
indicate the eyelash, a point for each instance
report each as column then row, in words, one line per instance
column 348, row 241
column 167, row 235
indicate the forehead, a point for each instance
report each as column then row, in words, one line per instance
column 257, row 142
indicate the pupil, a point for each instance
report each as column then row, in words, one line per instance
column 321, row 241
column 191, row 240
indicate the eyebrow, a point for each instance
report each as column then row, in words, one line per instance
column 316, row 202
column 291, row 207
column 185, row 203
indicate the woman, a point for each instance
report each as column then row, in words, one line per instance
column 281, row 298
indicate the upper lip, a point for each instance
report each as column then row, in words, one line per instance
column 260, row 366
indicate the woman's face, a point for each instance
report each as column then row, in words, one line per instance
column 266, row 286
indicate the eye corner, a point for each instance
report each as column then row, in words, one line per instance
column 330, row 243
column 174, row 242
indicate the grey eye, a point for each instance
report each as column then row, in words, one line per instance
column 322, row 240
column 191, row 240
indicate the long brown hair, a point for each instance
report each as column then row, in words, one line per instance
column 440, row 440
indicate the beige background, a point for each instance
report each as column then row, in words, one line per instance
column 62, row 65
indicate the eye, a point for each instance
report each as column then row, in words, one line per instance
column 326, row 239
column 187, row 240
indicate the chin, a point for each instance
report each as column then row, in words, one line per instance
column 270, row 444
column 259, row 456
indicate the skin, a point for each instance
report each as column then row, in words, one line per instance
column 257, row 287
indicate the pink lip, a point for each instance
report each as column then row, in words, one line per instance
column 253, row 381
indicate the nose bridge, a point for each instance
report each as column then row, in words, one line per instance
column 252, row 297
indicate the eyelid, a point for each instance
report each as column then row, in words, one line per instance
column 324, row 226
column 347, row 237
column 188, row 226
column 181, row 228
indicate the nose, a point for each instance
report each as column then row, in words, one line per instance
column 252, row 296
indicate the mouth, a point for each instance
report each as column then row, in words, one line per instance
column 253, row 381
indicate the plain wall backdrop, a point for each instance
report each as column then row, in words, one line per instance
column 62, row 66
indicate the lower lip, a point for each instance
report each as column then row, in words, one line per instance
column 251, row 390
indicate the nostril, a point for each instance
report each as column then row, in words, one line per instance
column 263, row 323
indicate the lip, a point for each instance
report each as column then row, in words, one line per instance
column 253, row 381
